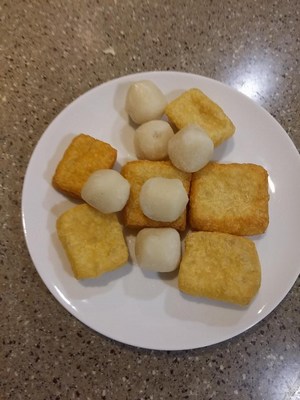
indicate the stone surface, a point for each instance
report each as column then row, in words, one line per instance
column 52, row 52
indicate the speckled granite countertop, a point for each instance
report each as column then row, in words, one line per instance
column 52, row 52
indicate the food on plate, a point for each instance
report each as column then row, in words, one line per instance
column 151, row 140
column 84, row 155
column 190, row 149
column 145, row 102
column 163, row 199
column 220, row 266
column 137, row 173
column 158, row 249
column 106, row 190
column 230, row 198
column 93, row 241
column 226, row 200
column 194, row 107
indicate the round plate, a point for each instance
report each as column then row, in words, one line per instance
column 146, row 309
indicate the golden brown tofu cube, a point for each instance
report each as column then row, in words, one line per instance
column 93, row 241
column 220, row 266
column 230, row 198
column 84, row 155
column 194, row 107
column 137, row 172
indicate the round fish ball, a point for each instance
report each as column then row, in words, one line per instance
column 151, row 140
column 158, row 249
column 106, row 190
column 163, row 199
column 145, row 102
column 190, row 149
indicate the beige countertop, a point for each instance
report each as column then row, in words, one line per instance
column 50, row 53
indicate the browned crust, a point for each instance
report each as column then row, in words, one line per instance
column 220, row 266
column 230, row 198
column 83, row 156
column 194, row 107
column 137, row 172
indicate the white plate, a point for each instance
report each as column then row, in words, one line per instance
column 140, row 308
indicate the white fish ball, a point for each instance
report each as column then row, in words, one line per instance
column 145, row 102
column 163, row 199
column 151, row 140
column 158, row 249
column 106, row 190
column 190, row 149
